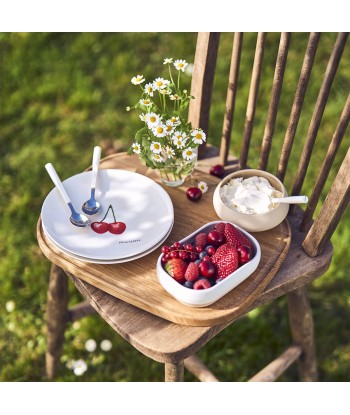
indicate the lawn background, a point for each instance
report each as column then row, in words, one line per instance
column 63, row 93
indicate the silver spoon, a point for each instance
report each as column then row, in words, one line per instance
column 290, row 199
column 91, row 206
column 76, row 218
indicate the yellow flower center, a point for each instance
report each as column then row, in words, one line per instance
column 173, row 119
column 198, row 135
column 146, row 102
column 169, row 128
column 180, row 65
column 153, row 119
column 159, row 83
column 160, row 130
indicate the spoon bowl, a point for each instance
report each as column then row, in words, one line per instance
column 92, row 206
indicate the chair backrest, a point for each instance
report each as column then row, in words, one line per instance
column 322, row 227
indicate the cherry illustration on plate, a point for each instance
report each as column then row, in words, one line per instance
column 100, row 227
column 115, row 227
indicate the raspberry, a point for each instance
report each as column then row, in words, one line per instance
column 192, row 272
column 201, row 284
column 201, row 240
column 220, row 227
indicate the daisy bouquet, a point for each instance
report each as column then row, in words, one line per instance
column 166, row 141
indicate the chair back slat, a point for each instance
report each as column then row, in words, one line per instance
column 297, row 104
column 202, row 80
column 231, row 97
column 331, row 211
column 318, row 111
column 274, row 100
column 327, row 164
column 252, row 99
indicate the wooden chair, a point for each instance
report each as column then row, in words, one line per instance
column 309, row 255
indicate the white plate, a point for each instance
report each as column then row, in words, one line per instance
column 139, row 202
column 115, row 261
column 203, row 298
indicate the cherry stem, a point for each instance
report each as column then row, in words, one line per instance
column 113, row 212
column 109, row 207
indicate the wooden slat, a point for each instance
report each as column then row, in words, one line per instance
column 318, row 111
column 174, row 372
column 80, row 310
column 297, row 104
column 331, row 211
column 274, row 369
column 202, row 81
column 274, row 100
column 194, row 365
column 231, row 97
column 326, row 166
column 252, row 99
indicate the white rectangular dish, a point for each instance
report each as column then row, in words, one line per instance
column 203, row 298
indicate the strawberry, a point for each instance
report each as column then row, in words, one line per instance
column 176, row 268
column 201, row 240
column 234, row 237
column 192, row 272
column 226, row 260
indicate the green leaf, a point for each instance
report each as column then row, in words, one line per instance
column 140, row 133
column 130, row 151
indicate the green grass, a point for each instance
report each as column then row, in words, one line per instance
column 61, row 94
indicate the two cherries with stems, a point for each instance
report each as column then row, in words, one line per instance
column 102, row 227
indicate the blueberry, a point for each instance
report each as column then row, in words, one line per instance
column 212, row 281
column 188, row 284
column 198, row 261
column 202, row 254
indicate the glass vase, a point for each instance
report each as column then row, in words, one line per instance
column 175, row 173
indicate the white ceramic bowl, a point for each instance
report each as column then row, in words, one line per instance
column 203, row 298
column 252, row 222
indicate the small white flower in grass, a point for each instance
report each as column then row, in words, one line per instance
column 198, row 136
column 10, row 306
column 157, row 158
column 128, row 108
column 167, row 60
column 165, row 91
column 189, row 154
column 136, row 80
column 143, row 117
column 145, row 102
column 152, row 119
column 136, row 148
column 180, row 64
column 79, row 367
column 159, row 130
column 175, row 120
column 170, row 153
column 175, row 97
column 203, row 186
column 90, row 345
column 76, row 325
column 160, row 83
column 106, row 345
column 156, row 147
column 149, row 89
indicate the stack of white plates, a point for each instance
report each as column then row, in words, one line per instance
column 139, row 202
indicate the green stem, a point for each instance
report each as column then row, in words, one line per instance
column 109, row 207
column 178, row 81
column 113, row 213
column 171, row 78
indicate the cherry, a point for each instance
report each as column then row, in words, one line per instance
column 100, row 227
column 245, row 254
column 215, row 238
column 206, row 269
column 194, row 194
column 217, row 171
column 117, row 228
column 210, row 250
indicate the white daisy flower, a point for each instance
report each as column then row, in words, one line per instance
column 175, row 97
column 180, row 64
column 160, row 83
column 136, row 148
column 143, row 117
column 145, row 102
column 164, row 91
column 170, row 153
column 189, row 153
column 159, row 130
column 136, row 80
column 106, row 345
column 10, row 306
column 79, row 367
column 90, row 345
column 149, row 89
column 128, row 108
column 179, row 142
column 203, row 186
column 157, row 157
column 167, row 60
column 198, row 136
column 152, row 119
column 175, row 120
column 179, row 135
column 156, row 147
column 169, row 127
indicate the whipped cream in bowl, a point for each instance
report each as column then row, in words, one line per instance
column 245, row 198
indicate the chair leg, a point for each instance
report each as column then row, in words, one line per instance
column 174, row 372
column 301, row 322
column 57, row 314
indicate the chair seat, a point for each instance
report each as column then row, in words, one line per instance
column 169, row 342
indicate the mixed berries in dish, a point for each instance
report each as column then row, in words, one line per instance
column 209, row 257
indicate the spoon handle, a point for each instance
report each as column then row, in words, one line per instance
column 57, row 182
column 291, row 199
column 95, row 164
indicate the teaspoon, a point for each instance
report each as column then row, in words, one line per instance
column 92, row 206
